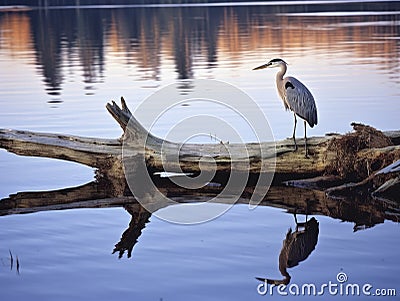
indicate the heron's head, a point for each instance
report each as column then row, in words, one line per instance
column 272, row 64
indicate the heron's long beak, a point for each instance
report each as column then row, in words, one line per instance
column 261, row 67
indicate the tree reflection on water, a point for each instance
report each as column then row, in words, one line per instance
column 189, row 36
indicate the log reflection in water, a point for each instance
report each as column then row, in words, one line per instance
column 363, row 211
column 140, row 217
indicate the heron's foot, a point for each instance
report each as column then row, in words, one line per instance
column 306, row 148
column 307, row 153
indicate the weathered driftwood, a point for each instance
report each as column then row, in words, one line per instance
column 384, row 184
column 105, row 154
column 94, row 152
column 334, row 159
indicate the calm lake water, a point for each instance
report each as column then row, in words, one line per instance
column 59, row 68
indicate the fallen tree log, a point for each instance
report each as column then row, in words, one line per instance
column 349, row 157
column 105, row 154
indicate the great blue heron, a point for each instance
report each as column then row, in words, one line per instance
column 296, row 97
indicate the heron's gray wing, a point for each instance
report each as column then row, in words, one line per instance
column 300, row 100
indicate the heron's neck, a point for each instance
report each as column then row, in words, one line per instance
column 281, row 73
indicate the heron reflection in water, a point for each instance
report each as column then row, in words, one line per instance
column 297, row 246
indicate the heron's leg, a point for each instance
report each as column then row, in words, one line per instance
column 305, row 139
column 307, row 201
column 298, row 224
column 295, row 219
column 294, row 132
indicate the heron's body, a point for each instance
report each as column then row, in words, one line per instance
column 295, row 96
